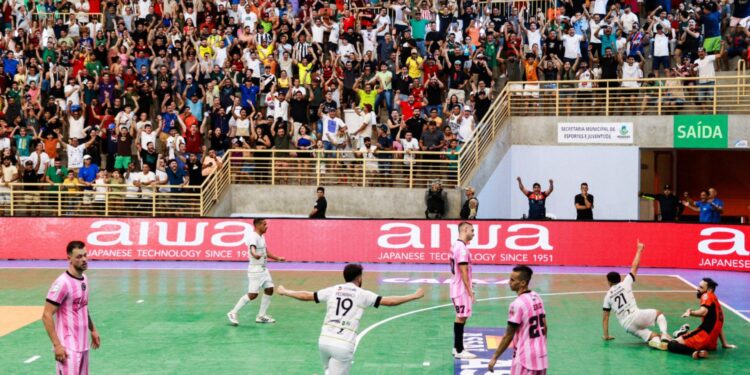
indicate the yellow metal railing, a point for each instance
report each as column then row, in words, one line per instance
column 742, row 80
column 472, row 152
column 41, row 199
column 327, row 168
column 648, row 96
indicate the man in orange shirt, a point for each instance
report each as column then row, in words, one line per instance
column 697, row 342
column 531, row 67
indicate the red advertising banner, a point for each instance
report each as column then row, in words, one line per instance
column 568, row 243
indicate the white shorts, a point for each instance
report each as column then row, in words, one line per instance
column 336, row 360
column 516, row 88
column 258, row 280
column 531, row 90
column 638, row 322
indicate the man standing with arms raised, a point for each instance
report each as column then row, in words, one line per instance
column 67, row 302
column 462, row 294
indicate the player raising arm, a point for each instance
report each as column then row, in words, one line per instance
column 257, row 275
column 345, row 304
column 697, row 342
column 527, row 328
column 635, row 321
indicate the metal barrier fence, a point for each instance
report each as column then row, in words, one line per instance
column 328, row 168
column 40, row 199
column 648, row 96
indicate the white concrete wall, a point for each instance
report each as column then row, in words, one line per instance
column 343, row 201
column 612, row 173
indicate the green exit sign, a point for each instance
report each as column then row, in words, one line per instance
column 701, row 131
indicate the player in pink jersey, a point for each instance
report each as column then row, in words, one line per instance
column 67, row 302
column 527, row 328
column 462, row 294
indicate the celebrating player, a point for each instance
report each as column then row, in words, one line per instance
column 257, row 275
column 527, row 328
column 635, row 321
column 697, row 342
column 345, row 305
column 67, row 301
column 462, row 293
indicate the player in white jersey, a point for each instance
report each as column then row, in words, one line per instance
column 527, row 328
column 636, row 321
column 66, row 315
column 462, row 293
column 258, row 276
column 345, row 304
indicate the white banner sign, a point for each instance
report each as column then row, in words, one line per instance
column 595, row 132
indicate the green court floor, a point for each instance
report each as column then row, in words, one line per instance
column 173, row 322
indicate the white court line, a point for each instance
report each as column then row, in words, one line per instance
column 158, row 268
column 378, row 324
column 724, row 304
column 32, row 359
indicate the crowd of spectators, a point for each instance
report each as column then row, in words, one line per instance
column 124, row 90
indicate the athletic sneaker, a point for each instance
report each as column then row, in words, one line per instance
column 264, row 319
column 683, row 330
column 700, row 354
column 463, row 355
column 233, row 318
column 657, row 344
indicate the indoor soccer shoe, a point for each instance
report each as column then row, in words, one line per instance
column 264, row 319
column 683, row 330
column 657, row 344
column 233, row 318
column 463, row 355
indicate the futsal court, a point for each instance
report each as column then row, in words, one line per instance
column 170, row 318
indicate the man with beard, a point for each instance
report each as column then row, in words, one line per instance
column 345, row 305
column 697, row 342
column 67, row 301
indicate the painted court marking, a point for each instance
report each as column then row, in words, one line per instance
column 32, row 359
column 378, row 324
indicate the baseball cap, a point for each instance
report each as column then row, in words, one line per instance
column 667, row 187
column 85, row 157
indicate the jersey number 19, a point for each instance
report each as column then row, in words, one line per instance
column 343, row 304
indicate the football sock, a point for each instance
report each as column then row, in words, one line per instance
column 661, row 321
column 676, row 347
column 265, row 301
column 240, row 304
column 458, row 336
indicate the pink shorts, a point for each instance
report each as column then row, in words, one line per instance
column 517, row 369
column 462, row 304
column 77, row 363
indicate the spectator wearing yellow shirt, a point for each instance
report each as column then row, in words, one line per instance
column 414, row 64
column 304, row 68
column 266, row 49
column 366, row 96
column 204, row 48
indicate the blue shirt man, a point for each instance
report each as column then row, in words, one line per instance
column 89, row 171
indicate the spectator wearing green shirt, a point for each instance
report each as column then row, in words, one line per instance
column 384, row 77
column 21, row 136
column 418, row 31
column 55, row 175
column 366, row 96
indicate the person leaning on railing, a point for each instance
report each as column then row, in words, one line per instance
column 55, row 175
